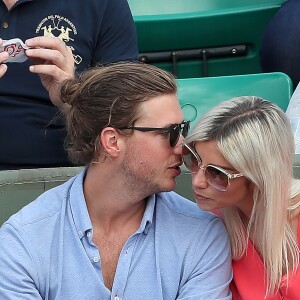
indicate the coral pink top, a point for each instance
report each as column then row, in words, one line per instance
column 248, row 278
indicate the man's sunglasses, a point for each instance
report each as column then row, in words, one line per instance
column 215, row 176
column 174, row 131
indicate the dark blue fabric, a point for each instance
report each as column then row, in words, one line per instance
column 281, row 42
column 99, row 31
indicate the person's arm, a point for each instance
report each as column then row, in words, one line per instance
column 54, row 63
column 18, row 272
column 211, row 271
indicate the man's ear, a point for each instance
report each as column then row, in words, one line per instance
column 110, row 139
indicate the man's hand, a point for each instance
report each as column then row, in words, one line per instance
column 3, row 57
column 54, row 63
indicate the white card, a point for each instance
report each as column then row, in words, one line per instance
column 16, row 49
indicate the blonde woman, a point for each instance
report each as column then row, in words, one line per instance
column 240, row 155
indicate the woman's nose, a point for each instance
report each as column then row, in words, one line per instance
column 199, row 179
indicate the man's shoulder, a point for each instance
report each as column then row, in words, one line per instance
column 42, row 209
column 182, row 223
column 184, row 208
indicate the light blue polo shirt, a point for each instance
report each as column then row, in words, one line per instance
column 179, row 252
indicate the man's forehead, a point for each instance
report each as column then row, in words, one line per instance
column 161, row 107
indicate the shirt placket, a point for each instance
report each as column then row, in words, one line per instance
column 123, row 268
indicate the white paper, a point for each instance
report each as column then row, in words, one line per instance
column 16, row 49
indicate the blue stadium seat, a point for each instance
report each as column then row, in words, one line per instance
column 198, row 95
column 195, row 38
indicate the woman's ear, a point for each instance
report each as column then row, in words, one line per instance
column 109, row 139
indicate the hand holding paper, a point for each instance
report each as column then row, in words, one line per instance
column 53, row 61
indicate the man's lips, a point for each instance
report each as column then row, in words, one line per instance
column 176, row 165
column 176, row 168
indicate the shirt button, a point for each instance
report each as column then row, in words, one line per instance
column 5, row 25
column 89, row 234
column 96, row 259
column 116, row 298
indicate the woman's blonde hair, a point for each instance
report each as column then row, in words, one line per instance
column 255, row 137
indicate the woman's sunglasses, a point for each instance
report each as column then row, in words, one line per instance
column 215, row 176
column 174, row 131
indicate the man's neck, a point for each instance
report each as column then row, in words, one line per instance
column 110, row 203
column 116, row 211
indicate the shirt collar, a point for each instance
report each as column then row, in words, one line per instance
column 148, row 215
column 81, row 216
column 78, row 206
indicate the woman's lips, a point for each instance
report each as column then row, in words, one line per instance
column 200, row 197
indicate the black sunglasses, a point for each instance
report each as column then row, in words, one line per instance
column 174, row 130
